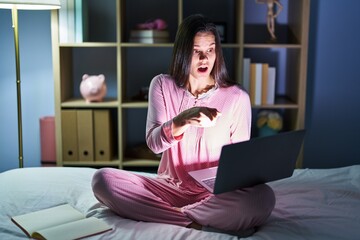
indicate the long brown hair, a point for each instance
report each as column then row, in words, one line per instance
column 183, row 50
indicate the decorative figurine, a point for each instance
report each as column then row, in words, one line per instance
column 271, row 15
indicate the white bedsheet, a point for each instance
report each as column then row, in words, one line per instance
column 312, row 204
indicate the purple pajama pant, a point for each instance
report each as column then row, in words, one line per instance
column 150, row 199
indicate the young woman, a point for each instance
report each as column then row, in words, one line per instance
column 193, row 112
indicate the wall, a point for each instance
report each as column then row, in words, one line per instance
column 332, row 116
column 36, row 84
column 333, row 100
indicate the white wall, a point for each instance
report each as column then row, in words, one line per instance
column 36, row 82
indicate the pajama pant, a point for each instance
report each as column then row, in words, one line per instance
column 144, row 198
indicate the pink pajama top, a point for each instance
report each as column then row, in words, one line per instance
column 199, row 147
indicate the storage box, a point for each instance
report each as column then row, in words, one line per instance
column 47, row 139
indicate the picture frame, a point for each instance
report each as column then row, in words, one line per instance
column 221, row 27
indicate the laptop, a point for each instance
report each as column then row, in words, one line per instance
column 258, row 160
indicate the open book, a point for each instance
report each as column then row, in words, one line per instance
column 60, row 222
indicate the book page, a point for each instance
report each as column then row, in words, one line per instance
column 74, row 230
column 46, row 218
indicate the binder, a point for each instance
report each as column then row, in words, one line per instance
column 103, row 135
column 69, row 135
column 85, row 135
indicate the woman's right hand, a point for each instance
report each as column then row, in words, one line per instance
column 196, row 116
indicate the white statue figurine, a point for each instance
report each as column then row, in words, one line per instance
column 271, row 15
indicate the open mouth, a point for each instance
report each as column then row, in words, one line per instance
column 202, row 69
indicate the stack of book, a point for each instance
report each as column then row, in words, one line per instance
column 149, row 36
column 73, row 21
column 259, row 80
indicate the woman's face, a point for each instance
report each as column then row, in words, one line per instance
column 204, row 55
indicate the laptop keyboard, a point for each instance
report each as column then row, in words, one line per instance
column 209, row 182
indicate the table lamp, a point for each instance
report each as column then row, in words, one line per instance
column 14, row 6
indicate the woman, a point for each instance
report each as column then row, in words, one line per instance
column 192, row 113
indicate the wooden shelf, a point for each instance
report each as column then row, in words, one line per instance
column 267, row 45
column 81, row 103
column 130, row 66
column 136, row 45
column 281, row 102
column 88, row 44
column 134, row 105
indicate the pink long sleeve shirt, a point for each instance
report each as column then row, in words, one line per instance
column 199, row 147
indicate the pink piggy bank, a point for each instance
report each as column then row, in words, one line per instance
column 93, row 88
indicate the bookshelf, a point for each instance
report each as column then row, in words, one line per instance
column 129, row 67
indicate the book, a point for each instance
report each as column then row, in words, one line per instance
column 271, row 85
column 246, row 74
column 81, row 21
column 264, row 83
column 71, row 20
column 67, row 21
column 59, row 222
column 255, row 83
column 149, row 33
column 63, row 25
column 149, row 36
column 148, row 40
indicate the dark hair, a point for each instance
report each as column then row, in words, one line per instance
column 183, row 50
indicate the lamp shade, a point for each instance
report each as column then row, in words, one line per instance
column 30, row 4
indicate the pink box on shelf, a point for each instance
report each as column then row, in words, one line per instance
column 47, row 139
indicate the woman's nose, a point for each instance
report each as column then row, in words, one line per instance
column 202, row 56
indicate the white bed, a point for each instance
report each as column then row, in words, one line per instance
column 312, row 204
